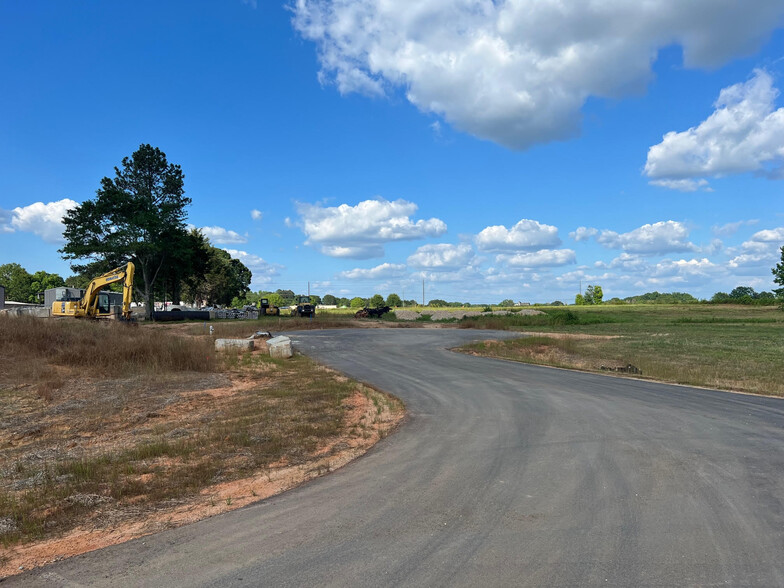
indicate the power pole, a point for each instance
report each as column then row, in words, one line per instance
column 423, row 292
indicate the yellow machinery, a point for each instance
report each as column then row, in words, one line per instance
column 96, row 305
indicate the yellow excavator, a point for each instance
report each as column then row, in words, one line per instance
column 94, row 304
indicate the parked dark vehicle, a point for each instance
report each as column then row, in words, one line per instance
column 372, row 312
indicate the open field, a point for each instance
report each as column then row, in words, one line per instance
column 106, row 427
column 719, row 346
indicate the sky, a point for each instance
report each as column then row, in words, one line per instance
column 483, row 149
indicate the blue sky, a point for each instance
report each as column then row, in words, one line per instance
column 495, row 150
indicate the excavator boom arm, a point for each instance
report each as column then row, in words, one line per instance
column 88, row 305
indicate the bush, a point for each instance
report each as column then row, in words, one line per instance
column 563, row 317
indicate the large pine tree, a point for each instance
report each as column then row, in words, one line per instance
column 139, row 215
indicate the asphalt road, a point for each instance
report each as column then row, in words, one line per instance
column 503, row 475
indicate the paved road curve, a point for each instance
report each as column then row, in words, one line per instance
column 504, row 474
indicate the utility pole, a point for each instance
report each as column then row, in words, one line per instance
column 423, row 292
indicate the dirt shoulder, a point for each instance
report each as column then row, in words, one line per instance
column 90, row 461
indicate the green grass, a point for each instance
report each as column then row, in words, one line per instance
column 729, row 347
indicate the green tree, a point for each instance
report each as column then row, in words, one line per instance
column 357, row 302
column 506, row 302
column 741, row 292
column 43, row 281
column 214, row 277
column 78, row 281
column 376, row 301
column 579, row 300
column 394, row 301
column 343, row 302
column 287, row 296
column 593, row 295
column 139, row 215
column 778, row 277
column 330, row 300
column 17, row 282
column 437, row 302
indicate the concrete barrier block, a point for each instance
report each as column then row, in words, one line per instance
column 242, row 344
column 280, row 347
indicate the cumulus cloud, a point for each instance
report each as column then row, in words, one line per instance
column 760, row 251
column 650, row 239
column 361, row 231
column 744, row 134
column 221, row 235
column 263, row 271
column 44, row 220
column 380, row 272
column 769, row 235
column 626, row 262
column 583, row 233
column 542, row 258
column 526, row 235
column 256, row 215
column 518, row 72
column 442, row 257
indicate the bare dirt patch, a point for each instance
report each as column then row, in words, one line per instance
column 97, row 460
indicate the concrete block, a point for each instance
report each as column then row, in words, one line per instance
column 280, row 347
column 242, row 344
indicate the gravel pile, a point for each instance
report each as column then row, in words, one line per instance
column 438, row 315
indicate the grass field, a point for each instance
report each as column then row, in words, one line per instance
column 718, row 346
column 101, row 421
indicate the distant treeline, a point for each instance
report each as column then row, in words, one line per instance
column 739, row 295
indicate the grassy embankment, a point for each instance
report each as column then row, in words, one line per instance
column 722, row 346
column 102, row 422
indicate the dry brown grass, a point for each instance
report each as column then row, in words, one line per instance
column 105, row 422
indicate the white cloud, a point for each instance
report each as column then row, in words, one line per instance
column 661, row 237
column 729, row 229
column 5, row 221
column 256, row 215
column 627, row 262
column 542, row 258
column 769, row 236
column 222, row 236
column 361, row 231
column 683, row 185
column 583, row 233
column 442, row 257
column 263, row 271
column 380, row 272
column 525, row 235
column 518, row 72
column 44, row 220
column 760, row 251
column 744, row 134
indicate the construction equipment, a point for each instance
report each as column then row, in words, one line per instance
column 94, row 303
column 304, row 307
column 267, row 309
column 371, row 312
